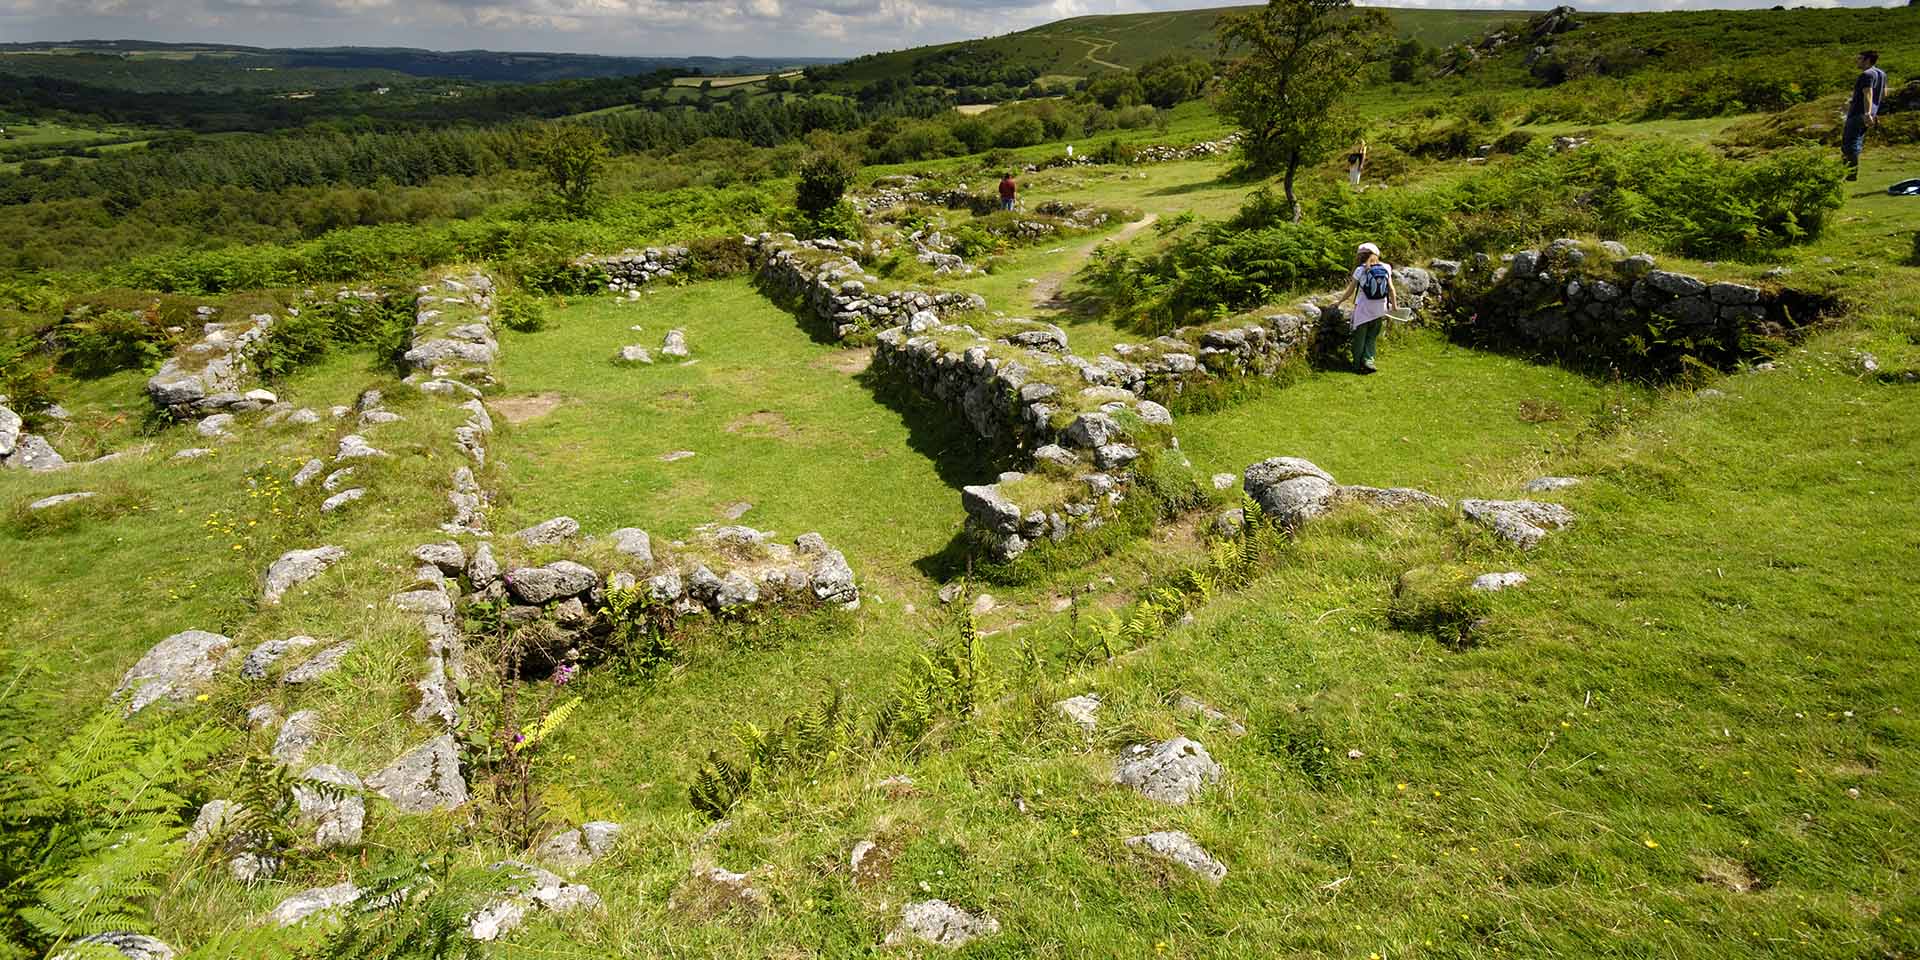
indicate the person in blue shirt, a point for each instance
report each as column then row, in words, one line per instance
column 1863, row 110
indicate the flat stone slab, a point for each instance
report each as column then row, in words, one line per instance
column 341, row 499
column 320, row 664
column 301, row 477
column 531, row 888
column 574, row 850
column 940, row 923
column 1181, row 850
column 1523, row 523
column 424, row 779
column 133, row 946
column 355, row 447
column 1495, row 582
column 549, row 532
column 263, row 657
column 308, row 902
column 296, row 567
column 1550, row 484
column 1083, row 710
column 298, row 735
column 61, row 499
column 173, row 668
column 336, row 815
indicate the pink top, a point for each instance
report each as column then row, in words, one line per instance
column 1365, row 310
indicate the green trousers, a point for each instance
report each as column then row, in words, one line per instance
column 1364, row 337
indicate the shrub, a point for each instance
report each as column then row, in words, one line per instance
column 1438, row 600
column 96, row 343
column 26, row 377
column 714, row 258
column 305, row 334
column 521, row 313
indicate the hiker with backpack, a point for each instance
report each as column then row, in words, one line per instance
column 1371, row 286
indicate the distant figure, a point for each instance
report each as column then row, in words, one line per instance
column 1372, row 289
column 1863, row 110
column 1008, row 189
column 1357, row 163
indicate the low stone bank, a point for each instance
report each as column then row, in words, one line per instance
column 453, row 344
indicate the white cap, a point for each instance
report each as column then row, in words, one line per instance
column 1368, row 248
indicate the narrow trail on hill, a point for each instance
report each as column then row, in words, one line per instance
column 1046, row 293
column 1100, row 46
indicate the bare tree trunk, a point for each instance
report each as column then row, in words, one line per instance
column 1293, row 166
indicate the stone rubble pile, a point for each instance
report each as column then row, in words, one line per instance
column 720, row 570
column 211, row 375
column 631, row 269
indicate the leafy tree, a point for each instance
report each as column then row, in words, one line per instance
column 1406, row 60
column 824, row 176
column 572, row 156
column 1174, row 80
column 1296, row 61
column 1116, row 90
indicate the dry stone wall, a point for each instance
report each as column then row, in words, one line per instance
column 830, row 286
column 1023, row 391
column 1599, row 305
column 631, row 269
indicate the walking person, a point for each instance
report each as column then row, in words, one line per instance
column 1371, row 286
column 1863, row 109
column 1356, row 164
column 1008, row 189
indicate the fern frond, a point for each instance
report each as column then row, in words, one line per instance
column 548, row 725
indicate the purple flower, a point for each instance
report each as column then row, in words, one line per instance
column 563, row 674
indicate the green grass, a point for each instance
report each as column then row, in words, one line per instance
column 1678, row 704
column 776, row 419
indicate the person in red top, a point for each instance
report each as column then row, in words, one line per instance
column 1007, row 191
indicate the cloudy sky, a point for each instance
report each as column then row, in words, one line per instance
column 628, row 27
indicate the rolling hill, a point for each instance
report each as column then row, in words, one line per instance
column 1083, row 46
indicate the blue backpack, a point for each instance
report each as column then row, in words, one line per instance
column 1374, row 283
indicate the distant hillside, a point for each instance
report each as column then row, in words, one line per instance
column 1086, row 46
column 149, row 67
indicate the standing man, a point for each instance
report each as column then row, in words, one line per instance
column 1863, row 110
column 1007, row 191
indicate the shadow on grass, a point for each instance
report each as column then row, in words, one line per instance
column 936, row 432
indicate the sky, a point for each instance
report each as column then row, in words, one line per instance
column 800, row 28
